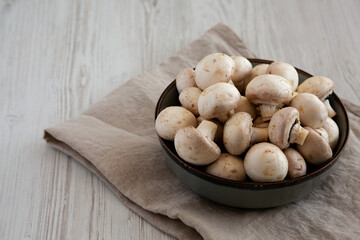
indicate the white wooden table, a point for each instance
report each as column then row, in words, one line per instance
column 58, row 57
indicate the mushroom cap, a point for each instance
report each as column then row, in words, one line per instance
column 185, row 79
column 171, row 119
column 237, row 133
column 229, row 167
column 313, row 112
column 242, row 69
column 189, row 98
column 297, row 164
column 320, row 86
column 194, row 147
column 245, row 106
column 214, row 68
column 265, row 162
column 316, row 149
column 269, row 89
column 286, row 71
column 255, row 71
column 280, row 126
column 218, row 100
column 332, row 130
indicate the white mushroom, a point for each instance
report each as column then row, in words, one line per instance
column 313, row 112
column 270, row 92
column 219, row 131
column 242, row 70
column 297, row 164
column 171, row 119
column 245, row 106
column 316, row 149
column 214, row 68
column 239, row 133
column 332, row 130
column 284, row 128
column 261, row 123
column 321, row 87
column 265, row 162
column 286, row 71
column 229, row 167
column 195, row 145
column 189, row 98
column 218, row 100
column 185, row 79
column 256, row 71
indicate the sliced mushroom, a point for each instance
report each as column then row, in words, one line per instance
column 265, row 162
column 321, row 87
column 185, row 79
column 332, row 130
column 189, row 98
column 313, row 112
column 256, row 71
column 229, row 167
column 195, row 145
column 239, row 133
column 316, row 149
column 214, row 68
column 171, row 119
column 284, row 128
column 242, row 70
column 245, row 106
column 286, row 71
column 270, row 92
column 297, row 164
column 218, row 101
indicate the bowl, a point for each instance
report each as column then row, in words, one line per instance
column 251, row 194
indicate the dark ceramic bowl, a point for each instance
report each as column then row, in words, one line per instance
column 251, row 194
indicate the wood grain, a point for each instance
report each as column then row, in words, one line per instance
column 59, row 57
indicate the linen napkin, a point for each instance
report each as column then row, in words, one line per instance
column 116, row 140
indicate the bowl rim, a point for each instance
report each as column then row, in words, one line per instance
column 248, row 184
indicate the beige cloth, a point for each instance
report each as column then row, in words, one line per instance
column 116, row 140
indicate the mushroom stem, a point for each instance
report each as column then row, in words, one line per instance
column 323, row 133
column 331, row 111
column 298, row 134
column 208, row 129
column 267, row 111
column 259, row 135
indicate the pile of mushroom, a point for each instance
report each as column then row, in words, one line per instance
column 250, row 123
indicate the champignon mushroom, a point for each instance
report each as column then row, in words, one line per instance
column 229, row 167
column 321, row 87
column 242, row 70
column 245, row 106
column 214, row 68
column 297, row 164
column 284, row 128
column 239, row 133
column 185, row 79
column 261, row 123
column 332, row 130
column 316, row 149
column 313, row 112
column 286, row 71
column 265, row 162
column 270, row 92
column 189, row 98
column 195, row 145
column 171, row 119
column 256, row 71
column 218, row 100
